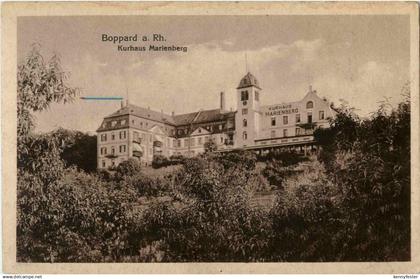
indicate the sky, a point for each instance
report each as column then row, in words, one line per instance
column 361, row 59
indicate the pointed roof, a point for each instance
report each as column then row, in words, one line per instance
column 248, row 80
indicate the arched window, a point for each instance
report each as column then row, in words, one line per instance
column 245, row 123
column 309, row 105
column 245, row 135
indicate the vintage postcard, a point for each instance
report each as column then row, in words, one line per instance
column 210, row 137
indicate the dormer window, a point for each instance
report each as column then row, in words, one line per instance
column 113, row 123
column 123, row 122
column 310, row 105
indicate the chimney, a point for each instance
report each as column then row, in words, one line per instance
column 122, row 103
column 126, row 103
column 222, row 101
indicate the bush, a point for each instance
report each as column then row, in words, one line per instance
column 160, row 161
column 77, row 219
column 130, row 167
column 214, row 220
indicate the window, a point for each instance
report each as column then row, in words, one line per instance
column 103, row 137
column 112, row 137
column 285, row 120
column 123, row 122
column 132, row 121
column 185, row 142
column 297, row 131
column 273, row 133
column 244, row 95
column 179, row 143
column 244, row 111
column 284, row 132
column 112, row 150
column 150, row 138
column 174, row 143
column 257, row 96
column 192, row 141
column 321, row 115
column 220, row 127
column 122, row 148
column 309, row 117
column 103, row 150
column 309, row 105
column 206, row 139
column 297, row 118
column 113, row 163
column 244, row 135
column 103, row 164
column 273, row 121
column 221, row 139
column 200, row 141
column 136, row 136
column 245, row 123
column 199, row 130
column 113, row 123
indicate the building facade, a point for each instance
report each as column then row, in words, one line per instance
column 142, row 133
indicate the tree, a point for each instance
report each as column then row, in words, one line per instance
column 40, row 168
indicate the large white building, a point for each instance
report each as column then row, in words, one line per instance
column 137, row 132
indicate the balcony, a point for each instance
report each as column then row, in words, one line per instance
column 307, row 126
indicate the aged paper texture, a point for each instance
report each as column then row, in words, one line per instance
column 168, row 95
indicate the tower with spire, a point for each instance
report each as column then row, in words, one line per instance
column 247, row 120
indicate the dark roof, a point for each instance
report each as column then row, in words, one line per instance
column 202, row 116
column 198, row 117
column 144, row 113
column 248, row 80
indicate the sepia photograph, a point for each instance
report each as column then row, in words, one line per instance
column 216, row 138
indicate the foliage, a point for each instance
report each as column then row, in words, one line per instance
column 280, row 166
column 210, row 146
column 39, row 83
column 307, row 219
column 78, row 219
column 160, row 161
column 147, row 186
column 130, row 167
column 214, row 221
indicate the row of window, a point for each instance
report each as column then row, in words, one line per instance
column 321, row 116
column 104, row 150
column 245, row 95
column 286, row 119
column 195, row 141
column 298, row 132
column 122, row 135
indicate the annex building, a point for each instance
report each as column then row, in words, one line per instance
column 142, row 133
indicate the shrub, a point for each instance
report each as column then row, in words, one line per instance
column 160, row 161
column 130, row 167
column 214, row 220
